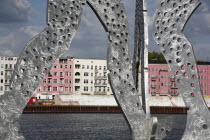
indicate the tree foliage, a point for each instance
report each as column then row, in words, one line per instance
column 156, row 56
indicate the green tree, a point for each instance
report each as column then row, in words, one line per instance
column 156, row 56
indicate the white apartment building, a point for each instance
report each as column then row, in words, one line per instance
column 90, row 77
column 7, row 65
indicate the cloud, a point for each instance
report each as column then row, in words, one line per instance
column 15, row 42
column 14, row 11
column 91, row 39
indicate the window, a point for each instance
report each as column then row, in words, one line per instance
column 69, row 73
column 69, row 88
column 77, row 80
column 54, row 80
column 1, row 88
column 83, row 66
column 49, row 81
column 104, row 67
column 85, row 88
column 86, row 81
column 108, row 89
column 87, row 66
column 2, row 73
column 69, row 81
column 70, row 66
column 55, row 66
column 2, row 65
column 66, row 88
column 44, row 88
column 61, row 66
column 77, row 74
column 61, row 74
column 66, row 74
column 61, row 81
column 95, row 67
column 48, row 88
column 100, row 68
column 85, row 73
column 66, row 66
column 77, row 66
column 55, row 74
column 91, row 67
column 66, row 81
column 55, row 89
column 44, row 81
column 91, row 74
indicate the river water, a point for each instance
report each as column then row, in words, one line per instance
column 88, row 126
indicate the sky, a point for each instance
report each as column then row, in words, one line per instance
column 21, row 20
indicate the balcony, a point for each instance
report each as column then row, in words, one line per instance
column 153, row 78
column 8, row 69
column 8, row 76
column 153, row 86
column 77, row 66
column 174, row 94
column 173, row 79
column 153, row 93
column 100, row 93
column 101, row 77
column 6, row 84
column 100, row 84
column 174, row 86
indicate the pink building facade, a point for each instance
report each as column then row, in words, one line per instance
column 60, row 78
column 162, row 82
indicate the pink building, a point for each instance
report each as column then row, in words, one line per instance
column 161, row 81
column 59, row 80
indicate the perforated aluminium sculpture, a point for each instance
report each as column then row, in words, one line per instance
column 62, row 23
column 169, row 25
column 40, row 54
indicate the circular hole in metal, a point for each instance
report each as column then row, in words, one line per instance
column 205, row 126
column 192, row 94
column 185, row 74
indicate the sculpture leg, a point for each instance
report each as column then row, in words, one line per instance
column 36, row 60
column 112, row 15
column 169, row 25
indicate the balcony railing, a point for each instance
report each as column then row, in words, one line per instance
column 174, row 86
column 10, row 69
column 6, row 84
column 174, row 94
column 153, row 78
column 100, row 77
column 100, row 84
column 153, row 86
column 100, row 92
column 173, row 79
column 8, row 76
column 153, row 93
